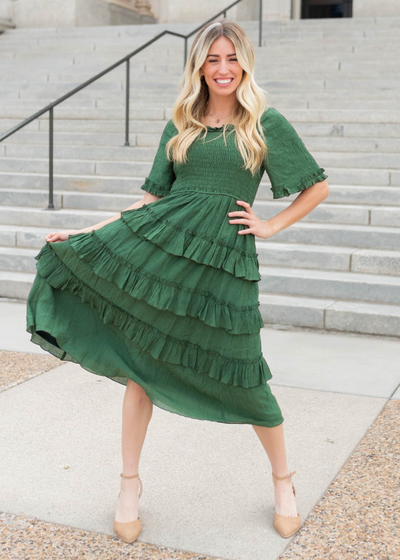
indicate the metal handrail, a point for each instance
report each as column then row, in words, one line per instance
column 126, row 59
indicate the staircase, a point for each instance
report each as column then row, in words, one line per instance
column 338, row 83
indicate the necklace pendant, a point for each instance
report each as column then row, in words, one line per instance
column 218, row 120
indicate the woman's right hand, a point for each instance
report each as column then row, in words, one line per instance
column 60, row 235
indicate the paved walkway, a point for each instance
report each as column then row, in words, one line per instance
column 207, row 486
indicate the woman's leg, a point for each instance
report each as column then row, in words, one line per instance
column 137, row 410
column 274, row 444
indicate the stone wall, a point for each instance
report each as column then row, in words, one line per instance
column 65, row 13
column 372, row 8
column 178, row 11
column 71, row 13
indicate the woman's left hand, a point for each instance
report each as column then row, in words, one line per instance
column 257, row 227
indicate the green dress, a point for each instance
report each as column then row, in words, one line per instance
column 167, row 295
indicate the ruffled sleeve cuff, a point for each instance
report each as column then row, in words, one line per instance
column 308, row 180
column 155, row 188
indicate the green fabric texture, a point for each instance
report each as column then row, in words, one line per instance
column 167, row 295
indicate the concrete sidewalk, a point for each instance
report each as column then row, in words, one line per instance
column 207, row 486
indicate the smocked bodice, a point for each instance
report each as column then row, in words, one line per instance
column 216, row 167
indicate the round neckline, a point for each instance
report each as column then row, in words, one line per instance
column 219, row 127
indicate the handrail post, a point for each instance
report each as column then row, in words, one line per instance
column 260, row 24
column 185, row 54
column 127, row 87
column 51, row 151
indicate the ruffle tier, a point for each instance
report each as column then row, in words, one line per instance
column 161, row 293
column 150, row 222
column 242, row 373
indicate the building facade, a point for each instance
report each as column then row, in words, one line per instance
column 75, row 13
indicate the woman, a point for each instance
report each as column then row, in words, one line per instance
column 163, row 296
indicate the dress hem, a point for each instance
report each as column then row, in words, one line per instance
column 51, row 348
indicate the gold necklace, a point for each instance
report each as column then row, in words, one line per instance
column 218, row 120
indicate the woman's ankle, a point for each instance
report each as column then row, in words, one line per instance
column 129, row 483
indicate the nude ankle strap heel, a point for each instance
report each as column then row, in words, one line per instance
column 129, row 531
column 285, row 525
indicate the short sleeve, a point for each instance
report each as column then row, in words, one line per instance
column 289, row 165
column 162, row 176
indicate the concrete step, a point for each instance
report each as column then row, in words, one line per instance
column 308, row 39
column 309, row 36
column 352, row 146
column 347, row 194
column 331, row 315
column 167, row 61
column 66, row 219
column 346, row 104
column 289, row 26
column 357, row 194
column 16, row 259
column 93, row 153
column 159, row 86
column 149, row 72
column 114, row 152
column 344, row 115
column 270, row 254
column 102, row 126
column 324, row 213
column 347, row 259
column 323, row 137
column 367, row 237
column 339, row 235
column 22, row 108
column 318, row 313
column 94, row 125
column 15, row 284
column 342, row 96
column 72, row 172
column 367, row 194
column 336, row 285
column 24, row 237
column 284, row 36
column 146, row 114
column 295, row 116
column 355, row 160
column 349, row 160
column 380, row 197
column 337, row 213
column 25, row 137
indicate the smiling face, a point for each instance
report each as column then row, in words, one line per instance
column 221, row 69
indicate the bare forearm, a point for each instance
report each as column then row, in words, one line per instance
column 300, row 207
column 147, row 199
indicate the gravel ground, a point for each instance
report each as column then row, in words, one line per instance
column 359, row 515
column 22, row 538
column 16, row 367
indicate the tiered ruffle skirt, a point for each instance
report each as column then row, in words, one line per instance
column 167, row 296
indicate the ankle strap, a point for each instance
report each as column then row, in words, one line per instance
column 133, row 476
column 283, row 477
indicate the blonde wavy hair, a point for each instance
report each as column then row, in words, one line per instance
column 190, row 104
